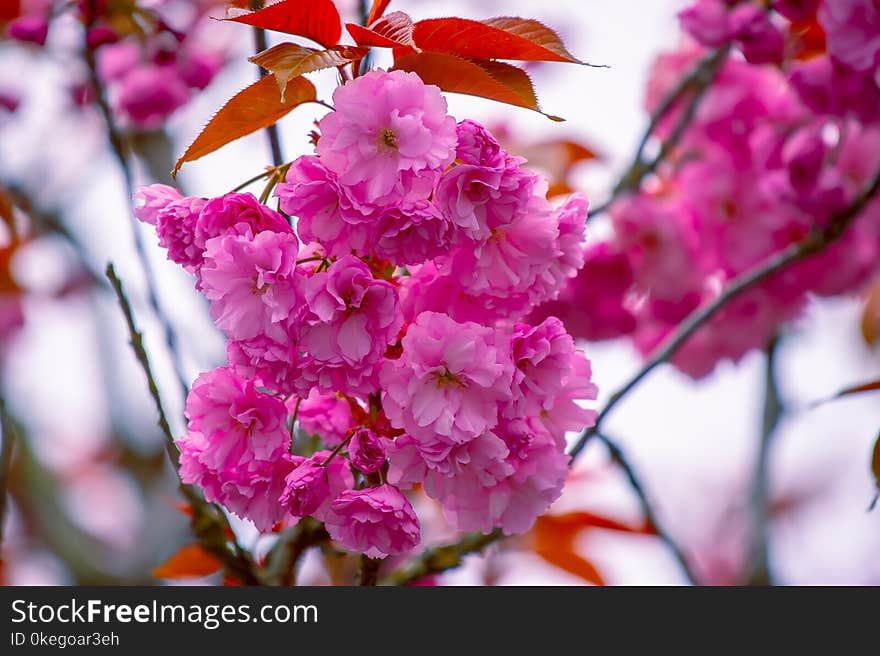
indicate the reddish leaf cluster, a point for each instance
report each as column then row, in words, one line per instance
column 457, row 54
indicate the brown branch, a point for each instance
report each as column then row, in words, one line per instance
column 120, row 152
column 283, row 559
column 696, row 83
column 760, row 572
column 369, row 570
column 9, row 438
column 618, row 456
column 209, row 523
column 261, row 44
column 441, row 558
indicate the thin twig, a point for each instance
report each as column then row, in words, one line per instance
column 261, row 44
column 119, row 149
column 9, row 437
column 760, row 572
column 282, row 561
column 441, row 558
column 369, row 571
column 209, row 523
column 696, row 83
column 618, row 456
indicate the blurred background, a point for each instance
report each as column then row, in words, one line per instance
column 92, row 497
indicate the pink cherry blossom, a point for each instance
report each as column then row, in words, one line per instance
column 365, row 451
column 412, row 233
column 154, row 198
column 253, row 283
column 449, row 380
column 241, row 213
column 351, row 320
column 147, row 95
column 389, row 136
column 325, row 415
column 314, row 483
column 478, row 199
column 175, row 225
column 235, row 445
column 377, row 521
column 326, row 212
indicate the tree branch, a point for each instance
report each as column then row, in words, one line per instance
column 9, row 437
column 618, row 456
column 696, row 83
column 760, row 572
column 441, row 558
column 261, row 43
column 119, row 149
column 209, row 523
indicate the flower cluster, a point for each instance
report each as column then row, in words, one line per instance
column 764, row 162
column 151, row 59
column 389, row 324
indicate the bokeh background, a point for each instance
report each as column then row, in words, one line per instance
column 93, row 499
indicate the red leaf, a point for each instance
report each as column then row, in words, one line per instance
column 9, row 10
column 288, row 60
column 872, row 386
column 870, row 323
column 190, row 561
column 317, row 20
column 378, row 8
column 497, row 38
column 486, row 79
column 393, row 31
column 254, row 108
column 554, row 538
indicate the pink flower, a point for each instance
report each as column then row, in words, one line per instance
column 175, row 225
column 236, row 445
column 449, row 380
column 351, row 321
column 509, row 265
column 760, row 41
column 378, row 522
column 198, row 67
column 147, row 95
column 273, row 363
column 365, row 451
column 478, row 199
column 428, row 290
column 662, row 247
column 706, row 21
column 593, row 305
column 241, row 213
column 250, row 493
column 241, row 422
column 30, row 28
column 325, row 415
column 326, row 211
column 571, row 220
column 313, row 485
column 852, row 32
column 477, row 146
column 544, row 357
column 389, row 136
column 116, row 60
column 253, row 283
column 154, row 198
column 412, row 234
